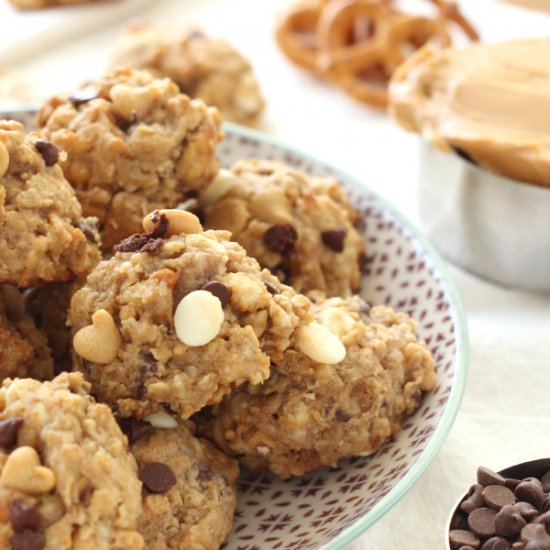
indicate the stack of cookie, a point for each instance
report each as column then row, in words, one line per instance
column 225, row 306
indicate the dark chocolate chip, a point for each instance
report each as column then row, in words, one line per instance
column 473, row 499
column 271, row 289
column 134, row 429
column 147, row 364
column 341, row 416
column 488, row 477
column 526, row 510
column 334, row 239
column 281, row 238
column 219, row 290
column 496, row 543
column 511, row 483
column 508, row 522
column 133, row 243
column 482, row 522
column 540, row 539
column 497, row 496
column 83, row 96
column 151, row 246
column 24, row 516
column 161, row 225
column 8, row 431
column 459, row 521
column 206, row 473
column 48, row 151
column 530, row 491
column 28, row 540
column 157, row 477
column 460, row 537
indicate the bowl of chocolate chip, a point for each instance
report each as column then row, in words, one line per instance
column 505, row 510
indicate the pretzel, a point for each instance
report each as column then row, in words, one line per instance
column 358, row 44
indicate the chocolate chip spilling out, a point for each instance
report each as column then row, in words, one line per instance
column 496, row 543
column 540, row 539
column 8, row 431
column 28, row 540
column 508, row 522
column 48, row 150
column 83, row 96
column 157, row 477
column 334, row 239
column 24, row 516
column 497, row 496
column 281, row 238
column 146, row 242
column 206, row 473
column 219, row 290
column 133, row 243
column 134, row 428
column 488, row 477
column 460, row 537
column 271, row 289
column 473, row 499
column 530, row 491
column 482, row 522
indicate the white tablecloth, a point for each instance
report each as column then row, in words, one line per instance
column 505, row 415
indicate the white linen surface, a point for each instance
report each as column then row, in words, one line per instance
column 505, row 415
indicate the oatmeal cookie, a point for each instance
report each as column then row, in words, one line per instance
column 67, row 480
column 190, row 492
column 134, row 143
column 300, row 228
column 176, row 321
column 204, row 67
column 43, row 236
column 24, row 349
column 309, row 415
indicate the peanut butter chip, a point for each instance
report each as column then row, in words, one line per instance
column 320, row 344
column 8, row 431
column 157, row 477
column 198, row 318
column 23, row 472
column 4, row 159
column 179, row 221
column 100, row 341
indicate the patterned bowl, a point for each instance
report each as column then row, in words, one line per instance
column 329, row 508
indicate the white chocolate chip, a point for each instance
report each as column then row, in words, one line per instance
column 4, row 159
column 23, row 472
column 271, row 206
column 161, row 420
column 247, row 96
column 337, row 320
column 129, row 100
column 219, row 186
column 198, row 318
column 179, row 221
column 100, row 341
column 320, row 344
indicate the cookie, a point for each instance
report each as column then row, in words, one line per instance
column 24, row 349
column 300, row 228
column 189, row 494
column 310, row 414
column 134, row 143
column 176, row 321
column 43, row 236
column 67, row 479
column 40, row 4
column 202, row 66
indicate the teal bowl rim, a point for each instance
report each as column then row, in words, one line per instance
column 461, row 337
column 402, row 487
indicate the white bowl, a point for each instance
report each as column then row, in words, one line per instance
column 329, row 508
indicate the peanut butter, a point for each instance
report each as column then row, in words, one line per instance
column 491, row 102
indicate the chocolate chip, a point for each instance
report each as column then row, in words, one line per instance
column 341, row 416
column 545, row 482
column 271, row 289
column 508, row 522
column 518, row 546
column 459, row 521
column 482, row 522
column 528, row 532
column 206, row 473
column 540, row 539
column 161, row 225
column 83, row 96
column 89, row 227
column 511, row 483
column 545, row 506
column 497, row 496
column 334, row 239
column 134, row 429
column 147, row 364
column 24, row 516
column 8, row 431
column 544, row 519
column 488, row 477
column 28, row 540
column 466, row 548
column 123, row 123
column 530, row 491
column 151, row 246
column 281, row 238
column 48, row 151
column 219, row 290
column 496, row 543
column 133, row 243
column 526, row 510
column 157, row 477
column 473, row 499
column 460, row 537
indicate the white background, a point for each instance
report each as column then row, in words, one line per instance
column 505, row 416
